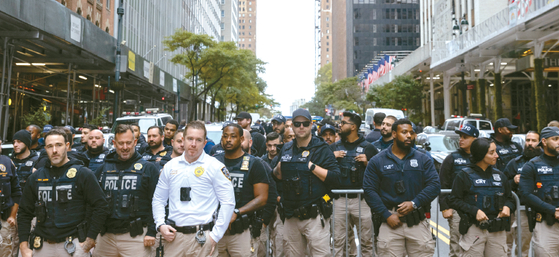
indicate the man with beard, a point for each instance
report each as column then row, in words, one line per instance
column 178, row 144
column 82, row 146
column 353, row 153
column 289, row 135
column 386, row 133
column 23, row 158
column 278, row 124
column 141, row 144
column 170, row 128
column 538, row 189
column 251, row 185
column 512, row 171
column 96, row 150
column 328, row 133
column 72, row 154
column 67, row 201
column 157, row 153
column 307, row 169
column 35, row 135
column 273, row 140
column 452, row 165
column 129, row 230
column 506, row 149
column 259, row 142
column 375, row 135
column 400, row 183
column 9, row 204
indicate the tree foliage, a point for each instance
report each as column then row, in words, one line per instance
column 219, row 71
column 403, row 92
column 40, row 117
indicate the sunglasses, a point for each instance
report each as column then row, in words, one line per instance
column 346, row 122
column 298, row 124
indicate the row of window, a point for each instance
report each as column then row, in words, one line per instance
column 385, row 1
column 243, row 33
column 243, row 45
column 243, row 21
column 243, row 27
column 390, row 13
column 372, row 28
column 223, row 14
column 386, row 41
column 242, row 39
column 243, row 3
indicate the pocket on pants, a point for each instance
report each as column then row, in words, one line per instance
column 466, row 242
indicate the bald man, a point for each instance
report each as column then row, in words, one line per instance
column 96, row 151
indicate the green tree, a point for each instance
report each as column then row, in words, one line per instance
column 101, row 119
column 403, row 92
column 40, row 117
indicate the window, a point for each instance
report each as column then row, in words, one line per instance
column 327, row 25
column 243, row 15
column 243, row 26
column 374, row 41
column 374, row 14
column 327, row 18
column 222, row 25
column 327, row 37
column 250, row 15
column 374, row 28
column 222, row 13
column 222, row 38
column 327, row 31
column 249, row 33
column 327, row 56
column 249, row 45
column 249, row 3
column 250, row 9
column 108, row 6
column 249, row 26
column 327, row 49
column 243, row 45
column 327, row 61
column 356, row 41
column 249, row 21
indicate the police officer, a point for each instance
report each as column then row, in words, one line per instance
column 35, row 135
column 24, row 159
column 128, row 183
column 82, row 145
column 307, row 169
column 278, row 124
column 57, row 194
column 251, row 185
column 512, row 171
column 273, row 141
column 157, row 153
column 386, row 133
column 141, row 144
column 451, row 166
column 539, row 188
column 171, row 127
column 96, row 151
column 217, row 149
column 400, row 183
column 375, row 135
column 353, row 153
column 328, row 133
column 72, row 153
column 178, row 143
column 506, row 149
column 482, row 197
column 259, row 142
column 198, row 188
column 288, row 135
column 10, row 195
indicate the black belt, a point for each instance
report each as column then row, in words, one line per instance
column 336, row 196
column 121, row 230
column 194, row 229
column 59, row 240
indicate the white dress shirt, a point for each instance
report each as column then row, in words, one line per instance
column 210, row 186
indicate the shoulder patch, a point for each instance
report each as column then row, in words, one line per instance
column 2, row 168
column 226, row 173
column 163, row 153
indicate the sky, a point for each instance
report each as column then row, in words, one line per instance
column 285, row 41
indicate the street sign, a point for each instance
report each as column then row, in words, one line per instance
column 471, row 87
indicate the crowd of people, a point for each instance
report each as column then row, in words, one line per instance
column 176, row 193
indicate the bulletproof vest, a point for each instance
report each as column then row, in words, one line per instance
column 96, row 161
column 520, row 161
column 122, row 188
column 460, row 162
column 547, row 184
column 239, row 176
column 159, row 159
column 351, row 171
column 65, row 204
column 25, row 168
column 403, row 181
column 487, row 194
column 506, row 153
column 300, row 186
column 6, row 174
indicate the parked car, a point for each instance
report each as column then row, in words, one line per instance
column 214, row 132
column 371, row 112
column 7, row 149
column 456, row 122
column 519, row 138
column 146, row 119
column 439, row 145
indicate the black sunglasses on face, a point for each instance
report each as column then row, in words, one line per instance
column 298, row 124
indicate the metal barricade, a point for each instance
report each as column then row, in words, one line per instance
column 345, row 192
column 519, row 227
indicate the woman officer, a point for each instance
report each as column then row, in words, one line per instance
column 483, row 199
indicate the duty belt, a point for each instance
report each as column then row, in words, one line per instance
column 120, row 230
column 336, row 196
column 194, row 229
column 60, row 240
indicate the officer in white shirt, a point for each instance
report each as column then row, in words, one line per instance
column 195, row 184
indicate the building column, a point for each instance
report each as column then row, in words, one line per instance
column 481, row 95
column 498, row 96
column 540, row 89
column 432, row 94
column 447, row 97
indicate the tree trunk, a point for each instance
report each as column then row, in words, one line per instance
column 481, row 96
column 540, row 94
column 498, row 96
column 205, row 103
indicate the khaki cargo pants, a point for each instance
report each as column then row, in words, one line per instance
column 185, row 245
column 235, row 245
column 453, row 224
column 298, row 233
column 526, row 234
column 416, row 241
column 546, row 239
column 478, row 242
column 340, row 232
column 122, row 245
column 8, row 235
column 50, row 250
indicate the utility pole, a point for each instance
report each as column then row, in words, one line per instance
column 120, row 12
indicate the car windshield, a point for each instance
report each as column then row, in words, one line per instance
column 143, row 123
column 442, row 143
column 215, row 136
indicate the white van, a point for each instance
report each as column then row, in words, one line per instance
column 371, row 112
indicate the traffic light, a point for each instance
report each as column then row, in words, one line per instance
column 162, row 98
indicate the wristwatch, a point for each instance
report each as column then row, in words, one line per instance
column 236, row 211
column 313, row 166
column 413, row 204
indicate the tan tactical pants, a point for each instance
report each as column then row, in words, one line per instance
column 235, row 245
column 298, row 233
column 340, row 232
column 185, row 245
column 478, row 242
column 8, row 234
column 416, row 241
column 453, row 224
column 50, row 250
column 121, row 245
column 546, row 239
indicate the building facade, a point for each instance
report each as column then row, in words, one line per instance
column 325, row 43
column 229, row 20
column 99, row 12
column 363, row 29
column 296, row 104
column 247, row 25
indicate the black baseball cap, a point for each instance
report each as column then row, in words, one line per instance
column 548, row 132
column 302, row 112
column 327, row 127
column 504, row 122
column 279, row 118
column 243, row 115
column 469, row 130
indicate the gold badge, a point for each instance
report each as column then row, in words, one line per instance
column 538, row 217
column 71, row 173
column 163, row 153
column 199, row 171
column 37, row 242
column 305, row 154
column 138, row 166
column 2, row 167
column 244, row 165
